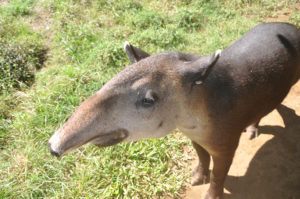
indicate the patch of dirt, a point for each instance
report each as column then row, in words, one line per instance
column 41, row 21
column 284, row 15
column 4, row 2
column 269, row 165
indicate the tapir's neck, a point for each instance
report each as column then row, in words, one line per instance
column 194, row 120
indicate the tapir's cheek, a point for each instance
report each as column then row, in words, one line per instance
column 146, row 113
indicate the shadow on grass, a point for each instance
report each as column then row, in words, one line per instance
column 274, row 172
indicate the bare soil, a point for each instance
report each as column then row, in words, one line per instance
column 4, row 2
column 284, row 15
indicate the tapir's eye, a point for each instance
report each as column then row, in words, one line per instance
column 147, row 102
column 149, row 99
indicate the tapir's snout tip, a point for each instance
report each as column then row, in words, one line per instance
column 54, row 152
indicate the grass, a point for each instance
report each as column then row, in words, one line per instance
column 85, row 42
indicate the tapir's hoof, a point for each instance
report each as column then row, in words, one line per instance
column 207, row 196
column 214, row 194
column 199, row 178
column 252, row 132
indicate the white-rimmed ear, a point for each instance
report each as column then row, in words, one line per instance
column 134, row 54
column 218, row 53
column 197, row 71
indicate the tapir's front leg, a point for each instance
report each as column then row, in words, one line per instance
column 222, row 158
column 201, row 172
column 218, row 175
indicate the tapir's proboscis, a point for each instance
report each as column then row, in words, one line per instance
column 211, row 99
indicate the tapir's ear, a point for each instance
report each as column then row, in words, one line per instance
column 134, row 54
column 195, row 72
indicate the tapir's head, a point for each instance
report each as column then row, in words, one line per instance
column 142, row 101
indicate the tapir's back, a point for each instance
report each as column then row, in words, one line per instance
column 266, row 49
column 254, row 74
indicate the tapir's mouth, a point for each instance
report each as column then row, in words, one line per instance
column 110, row 138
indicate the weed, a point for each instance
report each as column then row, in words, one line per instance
column 120, row 6
column 295, row 18
column 18, row 62
column 161, row 38
column 190, row 19
column 146, row 19
column 18, row 8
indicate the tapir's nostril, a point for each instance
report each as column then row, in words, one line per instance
column 57, row 154
column 53, row 152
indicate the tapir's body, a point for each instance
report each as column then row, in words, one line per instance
column 211, row 99
column 249, row 80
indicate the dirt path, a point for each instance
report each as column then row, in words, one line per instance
column 268, row 166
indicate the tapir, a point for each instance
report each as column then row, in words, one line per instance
column 211, row 98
